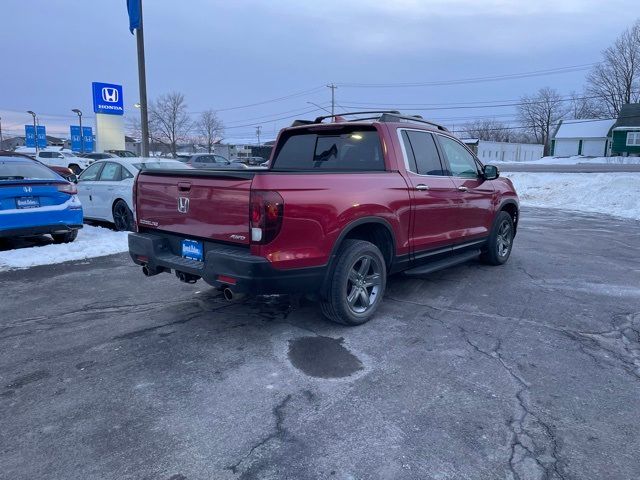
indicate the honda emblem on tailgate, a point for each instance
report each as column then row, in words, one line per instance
column 183, row 204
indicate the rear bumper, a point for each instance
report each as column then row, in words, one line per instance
column 252, row 274
column 38, row 230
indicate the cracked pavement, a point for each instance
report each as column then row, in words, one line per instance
column 526, row 371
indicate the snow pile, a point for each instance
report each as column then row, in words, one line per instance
column 579, row 159
column 615, row 194
column 91, row 242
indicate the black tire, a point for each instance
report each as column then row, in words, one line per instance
column 500, row 241
column 356, row 285
column 122, row 216
column 67, row 237
column 75, row 168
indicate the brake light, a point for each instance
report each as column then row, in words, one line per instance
column 69, row 188
column 266, row 213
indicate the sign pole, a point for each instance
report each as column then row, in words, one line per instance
column 142, row 80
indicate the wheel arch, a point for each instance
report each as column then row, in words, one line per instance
column 511, row 207
column 372, row 229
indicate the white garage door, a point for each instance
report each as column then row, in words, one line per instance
column 566, row 148
column 593, row 148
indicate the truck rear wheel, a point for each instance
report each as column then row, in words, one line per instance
column 356, row 285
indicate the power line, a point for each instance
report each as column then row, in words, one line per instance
column 493, row 78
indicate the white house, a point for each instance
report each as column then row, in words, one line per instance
column 588, row 137
column 489, row 152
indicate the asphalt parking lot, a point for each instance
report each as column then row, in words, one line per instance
column 526, row 371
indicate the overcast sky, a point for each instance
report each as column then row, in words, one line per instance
column 224, row 54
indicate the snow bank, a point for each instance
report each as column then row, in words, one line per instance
column 615, row 194
column 91, row 242
column 578, row 159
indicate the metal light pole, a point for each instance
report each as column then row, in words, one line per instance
column 35, row 128
column 258, row 128
column 142, row 82
column 77, row 110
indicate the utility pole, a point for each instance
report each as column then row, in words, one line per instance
column 142, row 83
column 333, row 87
column 1, row 142
column 258, row 128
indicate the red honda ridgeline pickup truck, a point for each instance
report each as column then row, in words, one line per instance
column 342, row 205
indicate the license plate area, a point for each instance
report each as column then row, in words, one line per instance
column 193, row 250
column 27, row 202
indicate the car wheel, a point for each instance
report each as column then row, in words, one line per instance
column 67, row 237
column 500, row 241
column 122, row 216
column 356, row 285
column 75, row 168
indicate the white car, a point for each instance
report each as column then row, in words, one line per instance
column 106, row 187
column 63, row 159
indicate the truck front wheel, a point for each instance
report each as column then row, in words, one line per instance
column 356, row 285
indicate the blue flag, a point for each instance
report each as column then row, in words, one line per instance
column 135, row 19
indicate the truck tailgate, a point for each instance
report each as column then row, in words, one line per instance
column 206, row 204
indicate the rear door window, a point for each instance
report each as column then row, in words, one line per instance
column 346, row 149
column 110, row 173
column 422, row 153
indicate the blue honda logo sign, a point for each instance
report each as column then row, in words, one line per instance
column 30, row 136
column 107, row 98
column 76, row 139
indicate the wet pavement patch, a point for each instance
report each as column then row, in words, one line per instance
column 323, row 357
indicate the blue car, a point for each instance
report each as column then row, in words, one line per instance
column 35, row 200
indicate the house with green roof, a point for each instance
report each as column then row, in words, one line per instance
column 625, row 133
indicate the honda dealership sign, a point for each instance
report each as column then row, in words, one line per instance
column 107, row 98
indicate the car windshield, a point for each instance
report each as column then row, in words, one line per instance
column 159, row 165
column 126, row 153
column 25, row 170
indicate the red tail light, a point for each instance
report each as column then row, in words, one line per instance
column 266, row 211
column 69, row 188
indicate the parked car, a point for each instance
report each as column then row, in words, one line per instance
column 253, row 161
column 210, row 160
column 57, row 158
column 98, row 156
column 105, row 188
column 65, row 173
column 35, row 200
column 122, row 153
column 342, row 206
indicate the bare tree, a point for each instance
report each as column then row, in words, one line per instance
column 540, row 113
column 616, row 79
column 487, row 129
column 169, row 122
column 210, row 128
column 584, row 105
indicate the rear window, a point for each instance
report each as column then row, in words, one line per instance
column 19, row 170
column 346, row 149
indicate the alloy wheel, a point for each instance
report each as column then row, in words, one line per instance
column 504, row 239
column 363, row 284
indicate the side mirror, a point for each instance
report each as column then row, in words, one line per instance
column 490, row 172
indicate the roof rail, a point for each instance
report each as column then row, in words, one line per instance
column 320, row 119
column 385, row 116
column 393, row 117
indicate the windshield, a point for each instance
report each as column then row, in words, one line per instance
column 160, row 165
column 23, row 170
column 126, row 153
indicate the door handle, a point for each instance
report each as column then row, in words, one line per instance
column 422, row 187
column 463, row 189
